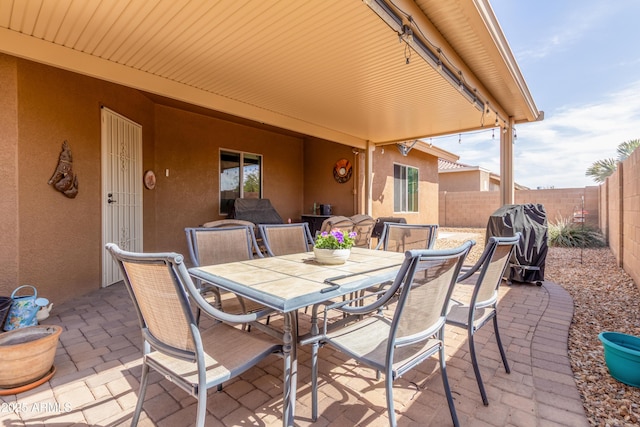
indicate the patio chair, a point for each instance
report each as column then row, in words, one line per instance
column 475, row 301
column 227, row 223
column 285, row 239
column 413, row 333
column 403, row 237
column 363, row 226
column 162, row 292
column 342, row 223
column 210, row 246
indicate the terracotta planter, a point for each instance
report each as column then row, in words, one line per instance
column 331, row 256
column 27, row 354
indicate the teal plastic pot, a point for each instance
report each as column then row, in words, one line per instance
column 622, row 355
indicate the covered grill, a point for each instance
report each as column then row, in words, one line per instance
column 529, row 257
column 257, row 211
column 379, row 226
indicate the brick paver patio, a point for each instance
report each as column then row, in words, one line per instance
column 98, row 368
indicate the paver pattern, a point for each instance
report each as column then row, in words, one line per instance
column 98, row 367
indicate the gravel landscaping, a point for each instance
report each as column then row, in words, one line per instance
column 605, row 299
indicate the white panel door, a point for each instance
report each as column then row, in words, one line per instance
column 121, row 189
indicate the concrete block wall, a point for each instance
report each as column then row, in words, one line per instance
column 564, row 202
column 467, row 208
column 631, row 216
column 614, row 225
column 473, row 208
column 603, row 212
column 614, row 207
column 620, row 214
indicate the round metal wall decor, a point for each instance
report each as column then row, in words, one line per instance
column 342, row 171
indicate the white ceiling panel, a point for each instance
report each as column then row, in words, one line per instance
column 332, row 69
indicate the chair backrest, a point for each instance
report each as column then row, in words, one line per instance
column 363, row 226
column 227, row 223
column 156, row 284
column 208, row 246
column 488, row 271
column 342, row 223
column 424, row 296
column 404, row 237
column 285, row 239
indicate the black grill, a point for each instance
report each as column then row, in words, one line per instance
column 527, row 264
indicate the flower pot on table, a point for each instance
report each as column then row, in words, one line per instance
column 331, row 256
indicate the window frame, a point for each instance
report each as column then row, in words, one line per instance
column 406, row 196
column 241, row 177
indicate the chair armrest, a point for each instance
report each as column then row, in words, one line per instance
column 203, row 305
column 349, row 308
column 233, row 318
column 467, row 271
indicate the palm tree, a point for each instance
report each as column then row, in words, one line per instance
column 600, row 170
column 626, row 148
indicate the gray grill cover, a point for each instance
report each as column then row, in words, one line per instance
column 531, row 221
column 257, row 211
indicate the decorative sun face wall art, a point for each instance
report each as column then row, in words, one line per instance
column 342, row 171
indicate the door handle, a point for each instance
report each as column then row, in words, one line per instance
column 110, row 198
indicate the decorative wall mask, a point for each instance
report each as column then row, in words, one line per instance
column 149, row 180
column 63, row 179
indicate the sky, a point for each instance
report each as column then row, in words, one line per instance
column 581, row 62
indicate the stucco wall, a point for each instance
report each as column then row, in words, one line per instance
column 382, row 185
column 9, row 174
column 188, row 144
column 320, row 186
column 59, row 244
column 460, row 181
column 54, row 242
column 473, row 208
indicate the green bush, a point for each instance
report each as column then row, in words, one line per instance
column 567, row 234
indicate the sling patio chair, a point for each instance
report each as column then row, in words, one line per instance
column 363, row 226
column 173, row 344
column 227, row 223
column 285, row 239
column 412, row 333
column 475, row 300
column 218, row 245
column 339, row 222
column 403, row 237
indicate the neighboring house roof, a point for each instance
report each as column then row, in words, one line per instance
column 332, row 69
column 446, row 166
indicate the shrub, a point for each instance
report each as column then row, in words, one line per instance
column 568, row 234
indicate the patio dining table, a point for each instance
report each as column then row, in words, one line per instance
column 290, row 282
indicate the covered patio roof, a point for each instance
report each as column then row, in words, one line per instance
column 332, row 69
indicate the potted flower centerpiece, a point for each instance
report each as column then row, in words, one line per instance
column 333, row 247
